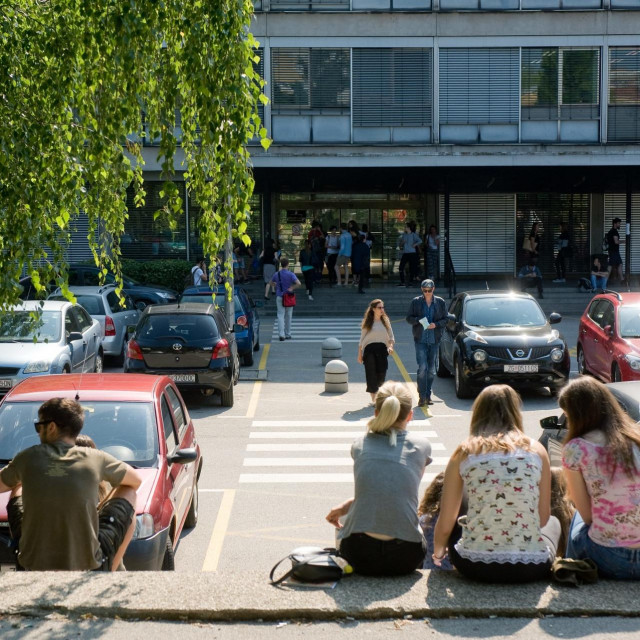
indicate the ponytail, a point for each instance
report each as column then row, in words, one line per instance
column 393, row 404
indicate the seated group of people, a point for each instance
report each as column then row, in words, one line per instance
column 499, row 513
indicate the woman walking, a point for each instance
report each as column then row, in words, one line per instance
column 508, row 534
column 269, row 261
column 381, row 534
column 376, row 343
column 432, row 251
column 306, row 265
column 601, row 460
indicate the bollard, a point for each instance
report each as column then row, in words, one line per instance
column 331, row 350
column 336, row 377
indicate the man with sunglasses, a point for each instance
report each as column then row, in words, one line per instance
column 60, row 527
column 427, row 316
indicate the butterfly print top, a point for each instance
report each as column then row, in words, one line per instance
column 502, row 522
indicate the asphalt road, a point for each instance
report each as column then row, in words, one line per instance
column 277, row 461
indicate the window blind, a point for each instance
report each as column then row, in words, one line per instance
column 624, row 94
column 615, row 206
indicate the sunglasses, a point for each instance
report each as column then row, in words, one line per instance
column 380, row 306
column 38, row 423
column 428, row 290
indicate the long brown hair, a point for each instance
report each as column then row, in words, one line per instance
column 496, row 422
column 561, row 507
column 590, row 406
column 430, row 503
column 367, row 320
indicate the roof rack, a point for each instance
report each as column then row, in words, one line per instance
column 613, row 293
column 104, row 287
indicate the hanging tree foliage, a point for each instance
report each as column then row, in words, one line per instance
column 76, row 77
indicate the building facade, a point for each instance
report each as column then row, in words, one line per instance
column 479, row 116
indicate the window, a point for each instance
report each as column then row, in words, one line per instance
column 83, row 319
column 178, row 411
column 114, row 302
column 169, row 433
column 310, row 78
column 392, row 87
column 624, row 94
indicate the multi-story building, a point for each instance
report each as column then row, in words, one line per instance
column 478, row 116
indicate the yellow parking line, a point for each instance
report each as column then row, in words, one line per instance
column 407, row 378
column 219, row 531
column 255, row 394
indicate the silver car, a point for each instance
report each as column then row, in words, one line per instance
column 103, row 305
column 38, row 338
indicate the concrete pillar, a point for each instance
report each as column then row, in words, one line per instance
column 331, row 350
column 336, row 377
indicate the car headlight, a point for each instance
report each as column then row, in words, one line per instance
column 476, row 336
column 479, row 355
column 38, row 366
column 557, row 354
column 634, row 361
column 554, row 335
column 144, row 526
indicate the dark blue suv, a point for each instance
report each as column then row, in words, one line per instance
column 246, row 313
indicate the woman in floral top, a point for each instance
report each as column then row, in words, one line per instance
column 508, row 534
column 602, row 467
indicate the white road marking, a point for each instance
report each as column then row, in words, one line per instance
column 297, row 478
column 307, row 446
column 301, row 424
column 320, row 435
column 318, row 462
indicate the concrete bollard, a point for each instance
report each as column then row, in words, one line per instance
column 331, row 350
column 336, row 377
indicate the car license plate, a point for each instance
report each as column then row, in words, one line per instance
column 183, row 377
column 521, row 368
column 6, row 384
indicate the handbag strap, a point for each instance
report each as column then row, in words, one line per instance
column 328, row 551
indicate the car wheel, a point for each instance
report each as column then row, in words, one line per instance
column 227, row 397
column 441, row 369
column 256, row 347
column 616, row 376
column 463, row 389
column 247, row 359
column 582, row 363
column 119, row 359
column 192, row 515
column 168, row 561
column 99, row 362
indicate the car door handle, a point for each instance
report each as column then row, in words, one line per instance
column 595, row 339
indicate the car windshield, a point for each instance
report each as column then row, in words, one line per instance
column 92, row 303
column 504, row 312
column 206, row 298
column 188, row 327
column 22, row 326
column 126, row 430
column 629, row 322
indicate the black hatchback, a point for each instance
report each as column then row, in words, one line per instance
column 191, row 343
column 502, row 337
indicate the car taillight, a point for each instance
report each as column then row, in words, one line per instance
column 221, row 350
column 109, row 326
column 133, row 350
column 242, row 320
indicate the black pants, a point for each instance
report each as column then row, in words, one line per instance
column 529, row 283
column 375, row 363
column 308, row 280
column 561, row 263
column 412, row 260
column 331, row 267
column 371, row 557
column 364, row 279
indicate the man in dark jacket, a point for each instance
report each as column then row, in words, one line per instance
column 361, row 261
column 428, row 316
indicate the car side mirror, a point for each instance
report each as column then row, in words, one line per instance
column 74, row 335
column 554, row 318
column 183, row 456
column 608, row 329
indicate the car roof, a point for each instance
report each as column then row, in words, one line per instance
column 45, row 305
column 125, row 387
column 204, row 289
column 97, row 290
column 626, row 298
column 186, row 308
column 496, row 293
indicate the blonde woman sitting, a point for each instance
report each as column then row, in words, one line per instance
column 380, row 534
column 508, row 534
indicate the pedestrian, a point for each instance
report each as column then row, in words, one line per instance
column 344, row 255
column 61, row 526
column 361, row 262
column 530, row 276
column 199, row 273
column 376, row 343
column 613, row 243
column 564, row 252
column 317, row 240
column 408, row 243
column 380, row 534
column 531, row 243
column 306, row 265
column 599, row 272
column 332, row 245
column 268, row 259
column 427, row 316
column 507, row 534
column 432, row 254
column 356, row 234
column 284, row 280
column 601, row 460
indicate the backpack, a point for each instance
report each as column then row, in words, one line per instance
column 188, row 279
column 605, row 244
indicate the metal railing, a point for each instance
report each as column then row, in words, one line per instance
column 449, row 274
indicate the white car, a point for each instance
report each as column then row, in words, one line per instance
column 38, row 338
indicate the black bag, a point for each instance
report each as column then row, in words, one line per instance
column 605, row 244
column 584, row 284
column 310, row 564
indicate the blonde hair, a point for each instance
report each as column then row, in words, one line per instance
column 393, row 405
column 496, row 422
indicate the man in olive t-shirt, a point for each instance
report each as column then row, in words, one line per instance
column 55, row 497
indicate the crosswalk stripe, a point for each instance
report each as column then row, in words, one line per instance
column 318, row 462
column 298, row 478
column 315, row 446
column 301, row 424
column 320, row 435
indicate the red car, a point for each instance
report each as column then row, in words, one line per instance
column 609, row 337
column 139, row 419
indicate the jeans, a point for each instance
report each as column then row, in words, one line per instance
column 426, row 359
column 529, row 283
column 284, row 318
column 598, row 282
column 618, row 563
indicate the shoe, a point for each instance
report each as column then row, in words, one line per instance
column 267, row 298
column 422, row 401
column 281, row 339
column 310, row 297
column 287, row 337
column 559, row 280
column 429, row 401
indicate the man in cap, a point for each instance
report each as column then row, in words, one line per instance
column 613, row 242
column 427, row 316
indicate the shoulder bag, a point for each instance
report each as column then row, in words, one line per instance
column 310, row 564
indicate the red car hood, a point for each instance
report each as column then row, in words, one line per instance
column 633, row 344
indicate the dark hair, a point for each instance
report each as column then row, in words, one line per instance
column 284, row 262
column 430, row 503
column 412, row 225
column 66, row 413
column 314, row 223
column 85, row 441
column 343, row 226
column 433, row 226
column 333, row 228
column 533, row 227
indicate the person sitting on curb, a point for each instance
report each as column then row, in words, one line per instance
column 61, row 528
column 530, row 276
